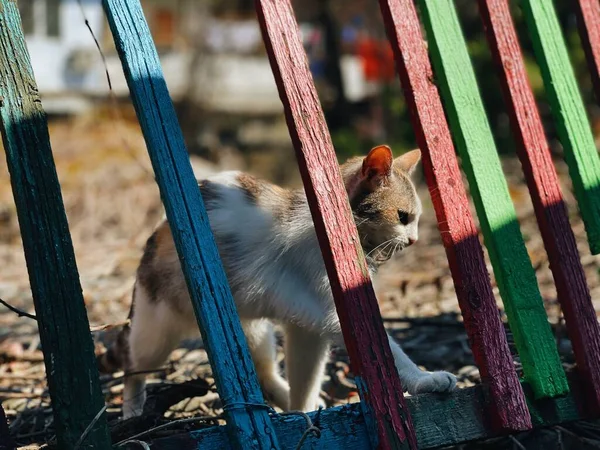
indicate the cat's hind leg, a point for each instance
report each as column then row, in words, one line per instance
column 261, row 341
column 156, row 330
column 306, row 354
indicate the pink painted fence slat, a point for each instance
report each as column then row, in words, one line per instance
column 508, row 408
column 363, row 330
column 588, row 18
column 551, row 213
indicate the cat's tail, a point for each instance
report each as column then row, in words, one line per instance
column 117, row 355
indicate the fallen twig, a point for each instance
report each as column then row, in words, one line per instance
column 19, row 312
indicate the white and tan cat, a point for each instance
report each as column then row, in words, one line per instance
column 272, row 259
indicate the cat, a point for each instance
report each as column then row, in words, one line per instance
column 274, row 266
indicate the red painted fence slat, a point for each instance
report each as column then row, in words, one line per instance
column 551, row 213
column 588, row 19
column 364, row 334
column 459, row 234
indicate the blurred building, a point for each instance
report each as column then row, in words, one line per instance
column 210, row 51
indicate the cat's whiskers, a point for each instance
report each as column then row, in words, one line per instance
column 380, row 245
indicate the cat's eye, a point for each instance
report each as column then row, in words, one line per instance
column 403, row 216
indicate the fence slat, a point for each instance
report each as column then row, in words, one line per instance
column 514, row 273
column 360, row 318
column 249, row 426
column 63, row 324
column 551, row 212
column 569, row 112
column 6, row 440
column 588, row 21
column 457, row 228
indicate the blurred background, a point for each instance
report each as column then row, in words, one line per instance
column 221, row 83
column 219, row 76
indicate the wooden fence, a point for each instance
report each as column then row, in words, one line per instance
column 384, row 418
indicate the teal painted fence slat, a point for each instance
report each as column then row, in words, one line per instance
column 249, row 426
column 569, row 112
column 63, row 324
column 512, row 267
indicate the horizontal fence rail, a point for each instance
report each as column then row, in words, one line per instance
column 60, row 310
column 248, row 423
column 508, row 409
column 440, row 420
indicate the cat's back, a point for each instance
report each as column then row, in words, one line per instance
column 243, row 205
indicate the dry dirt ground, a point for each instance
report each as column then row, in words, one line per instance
column 112, row 205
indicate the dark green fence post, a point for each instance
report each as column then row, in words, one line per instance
column 63, row 325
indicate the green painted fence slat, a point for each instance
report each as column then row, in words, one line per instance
column 512, row 267
column 63, row 324
column 569, row 112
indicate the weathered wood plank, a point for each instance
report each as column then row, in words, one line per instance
column 569, row 112
column 355, row 299
column 551, row 213
column 514, row 273
column 471, row 280
column 439, row 421
column 63, row 324
column 588, row 21
column 249, row 425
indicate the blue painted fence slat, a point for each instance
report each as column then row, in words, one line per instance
column 63, row 324
column 249, row 426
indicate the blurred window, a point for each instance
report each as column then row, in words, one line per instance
column 53, row 18
column 40, row 17
column 26, row 11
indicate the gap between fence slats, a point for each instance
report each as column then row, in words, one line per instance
column 249, row 426
column 551, row 212
column 355, row 300
column 512, row 266
column 508, row 408
column 569, row 112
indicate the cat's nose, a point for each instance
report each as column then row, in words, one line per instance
column 411, row 240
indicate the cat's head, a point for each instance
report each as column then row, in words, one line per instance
column 384, row 201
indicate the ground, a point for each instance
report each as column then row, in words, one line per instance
column 113, row 204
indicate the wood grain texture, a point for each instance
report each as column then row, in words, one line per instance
column 63, row 324
column 569, row 112
column 356, row 304
column 588, row 21
column 512, row 267
column 439, row 421
column 507, row 406
column 551, row 213
column 249, row 427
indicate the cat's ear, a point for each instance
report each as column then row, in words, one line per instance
column 408, row 162
column 377, row 165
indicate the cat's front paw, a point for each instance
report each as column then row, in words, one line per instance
column 433, row 382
